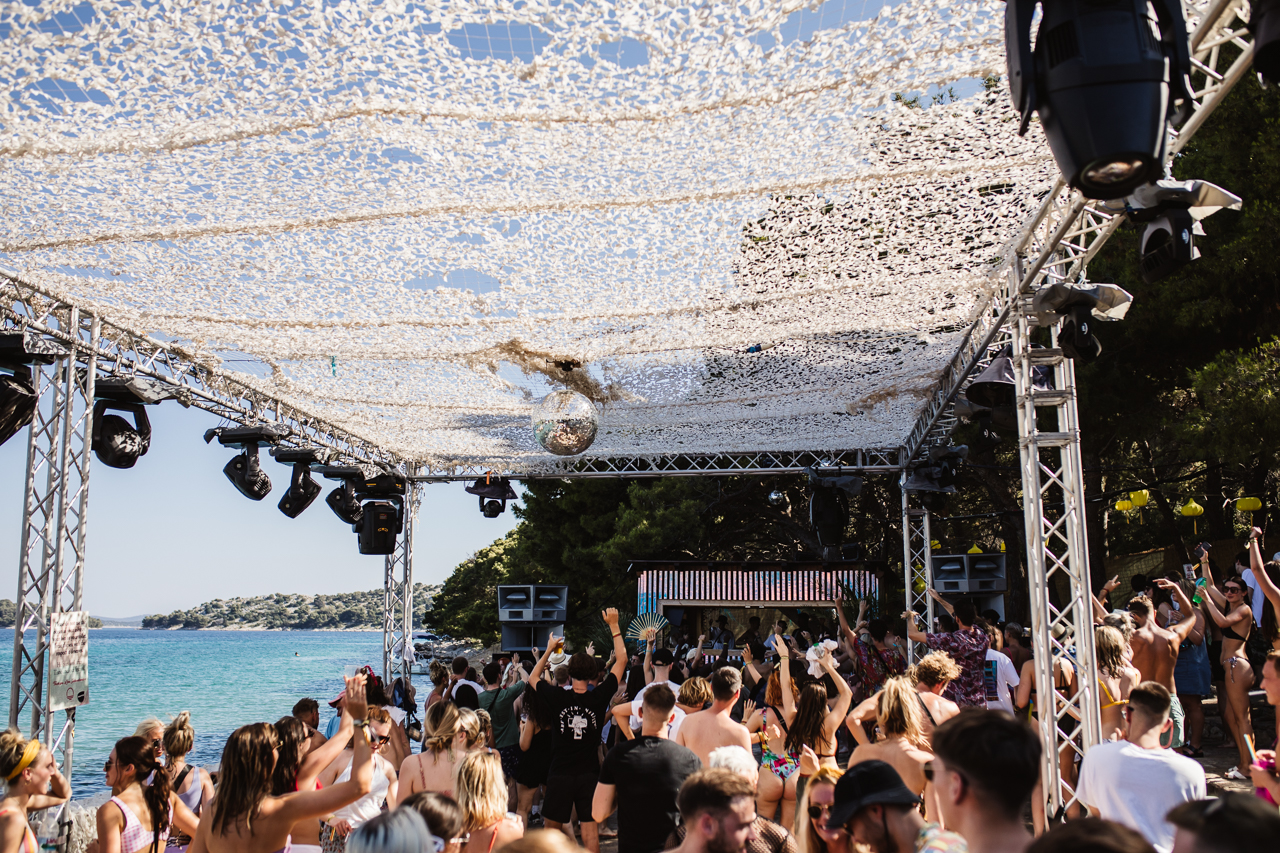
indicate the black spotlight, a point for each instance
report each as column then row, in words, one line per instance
column 1264, row 21
column 381, row 522
column 345, row 504
column 17, row 402
column 1078, row 307
column 1169, row 213
column 494, row 492
column 939, row 474
column 244, row 471
column 994, row 387
column 116, row 442
column 303, row 489
column 301, row 493
column 829, row 509
column 1104, row 78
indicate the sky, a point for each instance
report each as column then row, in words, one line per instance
column 171, row 532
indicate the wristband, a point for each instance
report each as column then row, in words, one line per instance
column 360, row 724
column 617, row 635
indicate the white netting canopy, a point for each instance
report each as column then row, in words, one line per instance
column 756, row 226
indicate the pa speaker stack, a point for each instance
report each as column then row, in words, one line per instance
column 528, row 613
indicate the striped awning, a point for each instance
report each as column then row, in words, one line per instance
column 747, row 584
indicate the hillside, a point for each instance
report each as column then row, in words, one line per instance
column 8, row 612
column 348, row 611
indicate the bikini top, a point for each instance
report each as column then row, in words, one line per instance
column 925, row 708
column 1111, row 701
column 29, row 843
column 1230, row 634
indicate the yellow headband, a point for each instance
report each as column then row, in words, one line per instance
column 29, row 754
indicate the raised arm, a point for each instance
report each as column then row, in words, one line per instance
column 784, row 674
column 536, row 672
column 844, row 696
column 913, row 633
column 946, row 605
column 649, row 640
column 866, row 710
column 1100, row 606
column 610, row 617
column 321, row 757
column 1215, row 595
column 59, row 793
column 1184, row 626
column 304, row 805
column 844, row 623
column 1260, row 576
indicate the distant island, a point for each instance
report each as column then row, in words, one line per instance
column 9, row 612
column 348, row 611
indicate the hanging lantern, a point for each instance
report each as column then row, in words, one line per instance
column 1191, row 509
column 935, row 545
column 1124, row 505
column 975, row 549
column 1140, row 498
column 1001, row 546
column 1249, row 504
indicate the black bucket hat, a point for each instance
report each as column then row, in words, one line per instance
column 869, row 783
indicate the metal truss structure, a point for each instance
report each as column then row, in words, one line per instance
column 917, row 565
column 1055, row 245
column 1058, row 557
column 56, row 500
column 397, row 602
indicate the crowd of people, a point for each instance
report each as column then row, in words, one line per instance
column 813, row 736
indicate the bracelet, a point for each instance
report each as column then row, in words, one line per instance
column 360, row 724
column 617, row 635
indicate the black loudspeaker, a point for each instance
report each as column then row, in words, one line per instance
column 966, row 574
column 378, row 527
column 529, row 613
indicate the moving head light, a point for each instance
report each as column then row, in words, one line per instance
column 1104, row 78
column 303, row 489
column 1169, row 212
column 244, row 471
column 494, row 492
column 116, row 442
column 1077, row 307
column 18, row 398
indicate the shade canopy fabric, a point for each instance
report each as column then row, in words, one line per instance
column 752, row 227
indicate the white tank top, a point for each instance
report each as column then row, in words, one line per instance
column 370, row 805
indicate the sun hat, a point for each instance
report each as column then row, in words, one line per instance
column 868, row 783
column 557, row 659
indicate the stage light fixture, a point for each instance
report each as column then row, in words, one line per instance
column 345, row 504
column 1169, row 212
column 303, row 489
column 1105, row 78
column 116, row 442
column 994, row 388
column 1077, row 307
column 244, row 470
column 829, row 508
column 493, row 492
column 18, row 400
column 1264, row 22
column 380, row 523
column 941, row 472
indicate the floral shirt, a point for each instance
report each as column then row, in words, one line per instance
column 969, row 649
column 935, row 839
column 872, row 668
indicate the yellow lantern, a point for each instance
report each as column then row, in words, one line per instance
column 1191, row 509
column 1140, row 497
column 1001, row 546
column 1124, row 506
column 1249, row 504
column 975, row 550
column 935, row 545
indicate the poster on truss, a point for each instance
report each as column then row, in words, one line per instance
column 68, row 660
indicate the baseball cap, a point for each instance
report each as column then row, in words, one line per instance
column 868, row 783
column 333, row 703
column 663, row 657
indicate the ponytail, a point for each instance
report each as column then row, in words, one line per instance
column 138, row 752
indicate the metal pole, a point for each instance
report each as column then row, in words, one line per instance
column 397, row 608
column 917, row 557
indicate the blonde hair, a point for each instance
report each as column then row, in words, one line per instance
column 443, row 722
column 480, row 789
column 935, row 668
column 808, row 841
column 469, row 722
column 147, row 726
column 1110, row 646
column 486, row 726
column 695, row 692
column 13, row 747
column 179, row 737
column 375, row 714
column 898, row 712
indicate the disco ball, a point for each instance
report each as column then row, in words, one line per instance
column 777, row 498
column 565, row 423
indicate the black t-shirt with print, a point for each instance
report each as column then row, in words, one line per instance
column 580, row 717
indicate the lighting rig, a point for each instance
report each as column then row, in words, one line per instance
column 244, row 471
column 493, row 492
column 303, row 489
column 116, row 442
column 373, row 506
column 18, row 400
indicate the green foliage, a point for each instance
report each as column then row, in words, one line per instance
column 344, row 611
column 467, row 604
column 9, row 614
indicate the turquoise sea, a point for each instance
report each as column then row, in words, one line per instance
column 224, row 678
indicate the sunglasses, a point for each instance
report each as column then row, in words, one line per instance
column 106, row 765
column 1232, row 589
column 816, row 812
column 381, row 740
